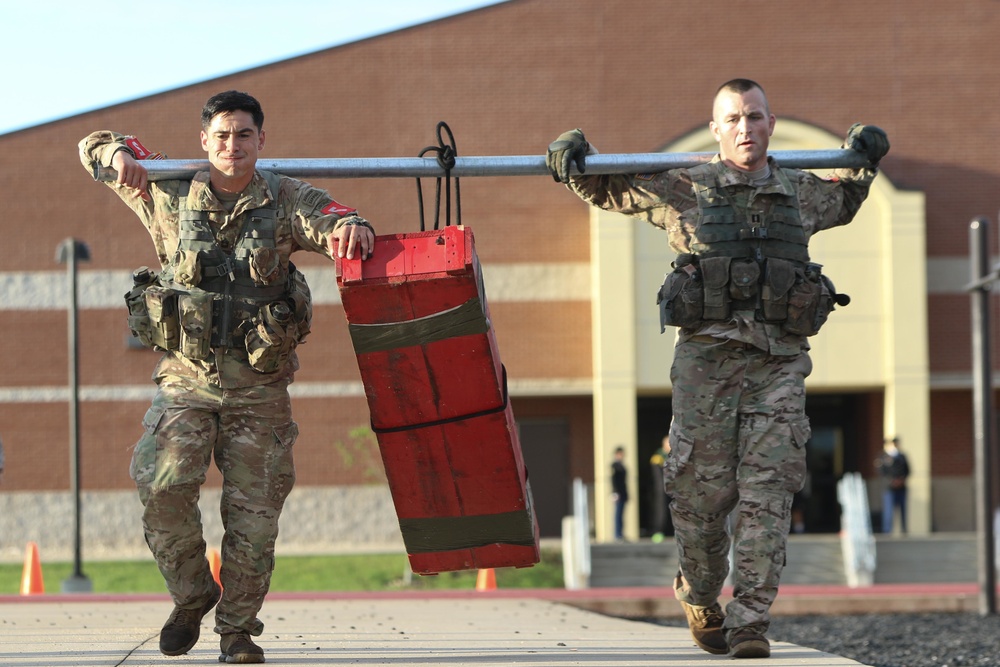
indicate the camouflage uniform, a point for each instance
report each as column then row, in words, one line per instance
column 219, row 406
column 739, row 425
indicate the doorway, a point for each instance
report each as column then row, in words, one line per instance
column 545, row 447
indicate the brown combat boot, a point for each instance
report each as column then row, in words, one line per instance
column 183, row 627
column 748, row 643
column 237, row 648
column 706, row 627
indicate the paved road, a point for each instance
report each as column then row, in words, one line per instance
column 484, row 629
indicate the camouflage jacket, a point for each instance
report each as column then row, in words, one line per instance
column 307, row 217
column 667, row 200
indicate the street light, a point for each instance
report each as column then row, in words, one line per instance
column 69, row 252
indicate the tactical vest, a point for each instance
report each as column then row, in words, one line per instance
column 748, row 261
column 727, row 228
column 242, row 300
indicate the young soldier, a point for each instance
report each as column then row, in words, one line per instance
column 227, row 308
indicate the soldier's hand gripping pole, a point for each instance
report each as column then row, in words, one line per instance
column 496, row 165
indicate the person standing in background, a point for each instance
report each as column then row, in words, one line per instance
column 894, row 469
column 619, row 491
column 658, row 496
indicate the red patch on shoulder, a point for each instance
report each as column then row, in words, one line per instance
column 140, row 151
column 339, row 209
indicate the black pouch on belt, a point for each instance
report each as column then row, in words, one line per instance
column 681, row 299
column 715, row 276
column 744, row 279
column 779, row 276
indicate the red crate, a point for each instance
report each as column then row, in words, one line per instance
column 437, row 393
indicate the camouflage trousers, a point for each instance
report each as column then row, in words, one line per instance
column 250, row 434
column 737, row 456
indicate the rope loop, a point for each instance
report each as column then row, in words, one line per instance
column 445, row 154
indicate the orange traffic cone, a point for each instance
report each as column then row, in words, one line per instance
column 31, row 579
column 486, row 580
column 215, row 564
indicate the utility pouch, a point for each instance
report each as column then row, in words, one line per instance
column 195, row 317
column 744, row 279
column 804, row 302
column 681, row 298
column 187, row 268
column 271, row 337
column 301, row 299
column 829, row 299
column 135, row 301
column 161, row 304
column 715, row 276
column 265, row 266
column 779, row 277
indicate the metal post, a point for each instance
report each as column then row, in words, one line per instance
column 69, row 251
column 983, row 411
column 497, row 165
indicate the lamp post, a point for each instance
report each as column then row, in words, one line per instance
column 69, row 252
column 983, row 409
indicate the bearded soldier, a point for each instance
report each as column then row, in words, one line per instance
column 228, row 308
column 746, row 297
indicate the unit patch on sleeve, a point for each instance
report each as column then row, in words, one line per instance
column 140, row 151
column 339, row 209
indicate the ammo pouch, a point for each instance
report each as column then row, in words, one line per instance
column 195, row 319
column 301, row 301
column 161, row 307
column 744, row 279
column 699, row 290
column 280, row 326
column 135, row 301
column 810, row 302
column 271, row 337
column 715, row 277
column 681, row 297
column 779, row 278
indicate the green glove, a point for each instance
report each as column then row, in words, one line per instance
column 569, row 147
column 868, row 139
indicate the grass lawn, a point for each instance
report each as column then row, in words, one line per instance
column 355, row 572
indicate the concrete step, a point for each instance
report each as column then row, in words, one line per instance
column 811, row 560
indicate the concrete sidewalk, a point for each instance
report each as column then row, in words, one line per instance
column 477, row 629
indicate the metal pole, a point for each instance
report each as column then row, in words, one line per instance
column 983, row 421
column 497, row 165
column 70, row 251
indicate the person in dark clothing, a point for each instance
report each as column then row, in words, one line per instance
column 619, row 491
column 894, row 469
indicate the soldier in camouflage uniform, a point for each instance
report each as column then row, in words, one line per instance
column 228, row 307
column 745, row 297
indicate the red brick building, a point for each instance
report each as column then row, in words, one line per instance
column 637, row 77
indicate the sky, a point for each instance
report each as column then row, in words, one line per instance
column 64, row 57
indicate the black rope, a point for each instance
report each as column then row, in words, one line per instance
column 446, row 154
